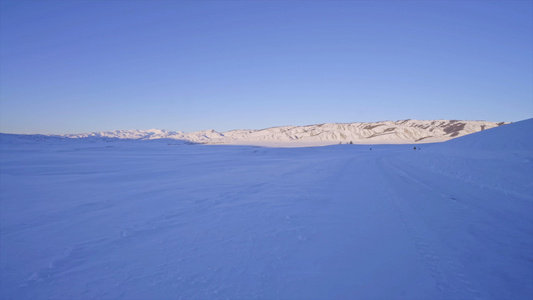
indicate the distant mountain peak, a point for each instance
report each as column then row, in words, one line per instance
column 383, row 132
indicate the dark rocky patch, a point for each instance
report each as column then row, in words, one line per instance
column 453, row 129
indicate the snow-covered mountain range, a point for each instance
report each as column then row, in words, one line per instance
column 385, row 132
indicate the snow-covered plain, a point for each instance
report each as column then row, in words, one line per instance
column 121, row 219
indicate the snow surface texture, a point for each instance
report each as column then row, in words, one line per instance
column 387, row 132
column 123, row 219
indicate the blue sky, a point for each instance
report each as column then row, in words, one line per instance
column 81, row 66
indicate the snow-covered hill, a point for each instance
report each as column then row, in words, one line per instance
column 386, row 132
column 514, row 137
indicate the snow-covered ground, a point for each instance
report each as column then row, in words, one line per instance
column 85, row 219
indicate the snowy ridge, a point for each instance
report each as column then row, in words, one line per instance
column 385, row 132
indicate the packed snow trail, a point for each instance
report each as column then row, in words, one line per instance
column 460, row 230
column 151, row 220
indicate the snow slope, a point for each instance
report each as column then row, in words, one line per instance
column 513, row 137
column 115, row 219
column 386, row 132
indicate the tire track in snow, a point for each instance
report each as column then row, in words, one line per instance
column 448, row 274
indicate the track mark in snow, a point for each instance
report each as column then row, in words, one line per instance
column 448, row 274
column 72, row 257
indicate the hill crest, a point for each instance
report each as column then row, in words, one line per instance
column 384, row 132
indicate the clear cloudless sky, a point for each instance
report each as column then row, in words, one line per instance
column 82, row 66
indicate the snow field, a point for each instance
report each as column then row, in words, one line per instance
column 153, row 220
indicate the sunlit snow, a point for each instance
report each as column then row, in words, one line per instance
column 385, row 132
